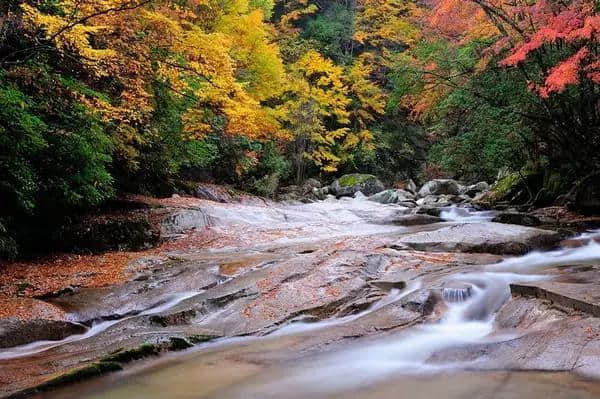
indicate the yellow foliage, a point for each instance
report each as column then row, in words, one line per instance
column 380, row 23
column 221, row 54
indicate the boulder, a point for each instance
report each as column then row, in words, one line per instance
column 392, row 196
column 494, row 238
column 477, row 188
column 434, row 200
column 348, row 185
column 439, row 187
column 519, row 218
column 184, row 220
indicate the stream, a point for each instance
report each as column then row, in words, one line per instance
column 351, row 354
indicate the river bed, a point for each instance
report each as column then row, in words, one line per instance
column 401, row 340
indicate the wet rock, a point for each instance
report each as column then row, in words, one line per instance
column 437, row 200
column 440, row 187
column 519, row 218
column 408, row 204
column 388, row 285
column 392, row 196
column 494, row 238
column 413, row 220
column 422, row 301
column 348, row 185
column 428, row 210
column 14, row 332
column 174, row 319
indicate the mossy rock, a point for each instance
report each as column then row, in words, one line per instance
column 348, row 185
column 126, row 356
column 81, row 374
column 200, row 338
column 500, row 191
column 179, row 344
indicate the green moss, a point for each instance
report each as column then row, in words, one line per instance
column 142, row 351
column 503, row 186
column 354, row 179
column 200, row 338
column 178, row 344
column 84, row 373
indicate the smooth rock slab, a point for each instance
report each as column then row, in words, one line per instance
column 494, row 238
column 15, row 332
column 569, row 296
column 412, row 220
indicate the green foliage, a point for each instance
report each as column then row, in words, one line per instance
column 56, row 153
column 270, row 171
column 150, row 160
column 332, row 30
column 400, row 148
column 8, row 245
column 21, row 140
column 480, row 127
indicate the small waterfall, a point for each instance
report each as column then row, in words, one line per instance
column 457, row 295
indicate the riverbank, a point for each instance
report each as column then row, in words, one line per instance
column 362, row 268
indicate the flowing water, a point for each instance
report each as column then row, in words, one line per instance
column 377, row 366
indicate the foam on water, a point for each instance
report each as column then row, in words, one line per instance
column 465, row 215
column 537, row 261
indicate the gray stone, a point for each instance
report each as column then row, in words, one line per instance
column 184, row 220
column 392, row 196
column 477, row 188
column 321, row 193
column 492, row 238
column 348, row 185
column 439, row 187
